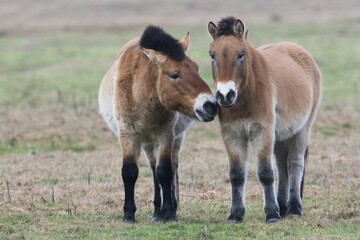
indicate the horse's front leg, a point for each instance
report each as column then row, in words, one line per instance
column 236, row 147
column 165, row 175
column 130, row 171
column 264, row 149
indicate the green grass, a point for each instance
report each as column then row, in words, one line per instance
column 205, row 220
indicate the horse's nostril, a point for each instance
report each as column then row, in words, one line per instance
column 231, row 95
column 210, row 107
column 219, row 96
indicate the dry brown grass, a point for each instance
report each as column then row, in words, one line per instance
column 90, row 181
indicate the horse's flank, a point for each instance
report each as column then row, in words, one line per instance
column 296, row 86
column 106, row 91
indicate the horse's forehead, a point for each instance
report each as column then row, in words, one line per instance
column 185, row 64
column 227, row 43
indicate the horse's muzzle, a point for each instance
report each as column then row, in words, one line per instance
column 228, row 100
column 206, row 108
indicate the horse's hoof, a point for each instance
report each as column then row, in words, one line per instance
column 273, row 218
column 294, row 211
column 156, row 219
column 283, row 213
column 129, row 217
column 233, row 220
column 129, row 220
column 170, row 219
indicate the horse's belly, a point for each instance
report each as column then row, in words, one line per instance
column 106, row 107
column 285, row 129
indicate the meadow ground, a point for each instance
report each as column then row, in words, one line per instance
column 60, row 165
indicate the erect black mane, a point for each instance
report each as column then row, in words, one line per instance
column 157, row 39
column 226, row 26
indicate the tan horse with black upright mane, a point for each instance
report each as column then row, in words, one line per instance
column 148, row 98
column 269, row 98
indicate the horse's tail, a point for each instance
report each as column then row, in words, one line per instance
column 303, row 177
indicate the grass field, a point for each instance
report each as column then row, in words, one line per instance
column 60, row 166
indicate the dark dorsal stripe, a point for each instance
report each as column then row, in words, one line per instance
column 157, row 39
column 226, row 26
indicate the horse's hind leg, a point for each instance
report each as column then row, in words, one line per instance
column 296, row 164
column 130, row 152
column 281, row 154
column 150, row 154
column 175, row 163
column 165, row 175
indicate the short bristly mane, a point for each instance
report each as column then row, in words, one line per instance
column 226, row 26
column 157, row 39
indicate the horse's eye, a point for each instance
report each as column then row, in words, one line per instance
column 212, row 55
column 174, row 76
column 241, row 55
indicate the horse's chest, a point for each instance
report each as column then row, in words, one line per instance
column 148, row 127
column 246, row 130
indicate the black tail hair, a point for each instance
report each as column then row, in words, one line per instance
column 303, row 177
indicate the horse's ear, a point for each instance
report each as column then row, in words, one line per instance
column 185, row 42
column 154, row 56
column 246, row 34
column 239, row 28
column 213, row 29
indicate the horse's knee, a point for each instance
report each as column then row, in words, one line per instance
column 164, row 171
column 265, row 175
column 130, row 172
column 237, row 176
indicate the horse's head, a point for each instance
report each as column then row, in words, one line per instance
column 179, row 84
column 229, row 57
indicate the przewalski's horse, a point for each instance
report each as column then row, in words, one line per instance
column 148, row 98
column 269, row 98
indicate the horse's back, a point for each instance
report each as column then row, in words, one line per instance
column 296, row 79
column 106, row 91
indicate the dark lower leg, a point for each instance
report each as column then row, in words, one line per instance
column 282, row 196
column 164, row 174
column 296, row 175
column 281, row 153
column 237, row 179
column 297, row 153
column 130, row 173
column 157, row 198
column 271, row 207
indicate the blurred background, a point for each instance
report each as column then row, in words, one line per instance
column 43, row 15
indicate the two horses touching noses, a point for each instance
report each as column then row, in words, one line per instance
column 266, row 97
